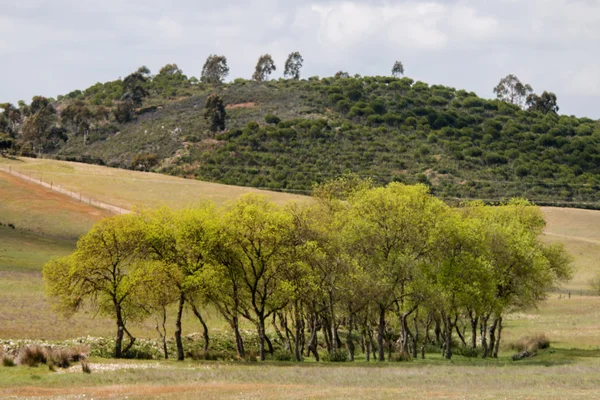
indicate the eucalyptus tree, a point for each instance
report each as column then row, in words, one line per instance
column 215, row 69
column 264, row 67
column 293, row 64
column 397, row 69
column 511, row 90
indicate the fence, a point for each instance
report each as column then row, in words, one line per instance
column 59, row 189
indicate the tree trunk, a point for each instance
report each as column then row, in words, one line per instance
column 474, row 323
column 448, row 337
column 349, row 341
column 180, row 355
column 120, row 328
column 312, row 342
column 239, row 342
column 497, row 344
column 381, row 334
column 415, row 335
column 261, row 338
column 483, row 333
column 460, row 335
column 269, row 344
column 131, row 340
column 492, row 330
column 204, row 327
column 299, row 326
column 163, row 333
column 278, row 332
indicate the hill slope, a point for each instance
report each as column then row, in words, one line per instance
column 286, row 135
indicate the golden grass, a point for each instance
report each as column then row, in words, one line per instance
column 32, row 208
column 127, row 189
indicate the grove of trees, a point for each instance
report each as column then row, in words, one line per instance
column 387, row 270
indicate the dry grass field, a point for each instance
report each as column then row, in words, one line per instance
column 48, row 224
column 127, row 189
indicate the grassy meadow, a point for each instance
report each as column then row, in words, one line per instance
column 125, row 188
column 48, row 224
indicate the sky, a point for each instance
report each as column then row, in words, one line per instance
column 51, row 47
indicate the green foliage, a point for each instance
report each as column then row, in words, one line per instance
column 336, row 356
column 214, row 113
column 124, row 111
column 397, row 69
column 293, row 64
column 545, row 103
column 372, row 126
column 264, row 67
column 215, row 69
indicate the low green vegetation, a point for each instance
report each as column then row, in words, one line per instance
column 288, row 134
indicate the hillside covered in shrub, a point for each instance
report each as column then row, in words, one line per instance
column 288, row 134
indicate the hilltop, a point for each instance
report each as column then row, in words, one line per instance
column 286, row 135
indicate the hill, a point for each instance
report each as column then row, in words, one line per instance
column 288, row 134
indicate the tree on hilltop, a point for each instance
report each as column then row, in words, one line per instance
column 397, row 69
column 292, row 65
column 545, row 103
column 511, row 90
column 264, row 67
column 215, row 69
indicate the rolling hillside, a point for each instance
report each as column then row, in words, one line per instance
column 286, row 135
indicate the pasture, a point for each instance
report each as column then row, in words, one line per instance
column 47, row 225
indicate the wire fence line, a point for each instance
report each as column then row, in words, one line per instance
column 59, row 189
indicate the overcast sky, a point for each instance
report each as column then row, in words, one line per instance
column 51, row 47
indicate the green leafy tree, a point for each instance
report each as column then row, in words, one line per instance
column 258, row 236
column 546, row 103
column 101, row 271
column 293, row 64
column 390, row 233
column 80, row 117
column 180, row 243
column 214, row 113
column 215, row 69
column 264, row 67
column 134, row 88
column 511, row 90
column 124, row 111
column 397, row 69
column 41, row 129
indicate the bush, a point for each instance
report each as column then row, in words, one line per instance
column 283, row 356
column 62, row 358
column 8, row 361
column 401, row 357
column 530, row 344
column 272, row 119
column 467, row 351
column 32, row 356
column 339, row 355
column 85, row 367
